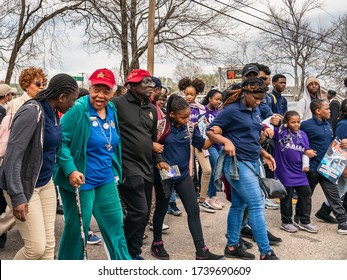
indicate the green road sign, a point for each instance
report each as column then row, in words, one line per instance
column 78, row 78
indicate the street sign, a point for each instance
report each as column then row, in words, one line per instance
column 78, row 78
column 234, row 76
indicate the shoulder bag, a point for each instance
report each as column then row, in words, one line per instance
column 272, row 188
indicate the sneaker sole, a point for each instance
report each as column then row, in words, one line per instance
column 342, row 231
column 159, row 258
column 308, row 230
column 238, row 257
column 94, row 242
column 290, row 231
column 206, row 259
column 207, row 210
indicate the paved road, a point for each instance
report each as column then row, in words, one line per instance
column 326, row 245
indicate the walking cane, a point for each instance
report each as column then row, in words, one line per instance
column 78, row 202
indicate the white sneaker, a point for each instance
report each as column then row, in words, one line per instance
column 217, row 201
column 213, row 203
column 206, row 207
column 165, row 227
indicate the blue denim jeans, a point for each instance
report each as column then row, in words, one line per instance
column 246, row 192
column 214, row 154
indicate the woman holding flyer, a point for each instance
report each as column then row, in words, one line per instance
column 177, row 136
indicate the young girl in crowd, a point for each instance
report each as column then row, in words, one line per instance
column 212, row 101
column 177, row 139
column 191, row 88
column 291, row 144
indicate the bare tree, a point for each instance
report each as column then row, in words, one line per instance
column 292, row 41
column 183, row 29
column 29, row 30
column 187, row 69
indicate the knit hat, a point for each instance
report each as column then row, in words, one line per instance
column 311, row 80
column 136, row 76
column 103, row 76
column 4, row 89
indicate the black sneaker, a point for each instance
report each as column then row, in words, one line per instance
column 158, row 251
column 238, row 252
column 342, row 228
column 3, row 239
column 273, row 240
column 245, row 243
column 247, row 232
column 324, row 217
column 269, row 256
column 205, row 254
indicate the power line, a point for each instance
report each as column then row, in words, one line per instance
column 260, row 28
column 269, row 15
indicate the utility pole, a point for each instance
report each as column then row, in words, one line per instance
column 150, row 44
column 82, row 73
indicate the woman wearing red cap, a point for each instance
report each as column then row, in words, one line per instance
column 90, row 159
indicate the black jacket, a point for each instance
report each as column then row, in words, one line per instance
column 138, row 129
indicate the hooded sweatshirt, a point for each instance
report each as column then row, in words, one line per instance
column 303, row 106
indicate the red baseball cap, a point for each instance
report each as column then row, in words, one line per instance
column 136, row 76
column 103, row 76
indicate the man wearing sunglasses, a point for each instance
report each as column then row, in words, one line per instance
column 138, row 128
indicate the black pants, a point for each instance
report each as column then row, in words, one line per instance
column 304, row 198
column 3, row 202
column 331, row 193
column 185, row 190
column 136, row 194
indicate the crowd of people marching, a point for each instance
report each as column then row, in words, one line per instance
column 124, row 154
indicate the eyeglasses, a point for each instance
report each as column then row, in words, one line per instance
column 39, row 84
column 148, row 83
column 264, row 78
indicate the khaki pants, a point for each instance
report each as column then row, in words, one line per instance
column 206, row 173
column 37, row 231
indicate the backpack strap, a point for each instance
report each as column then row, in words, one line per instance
column 275, row 99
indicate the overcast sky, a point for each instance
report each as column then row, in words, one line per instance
column 76, row 60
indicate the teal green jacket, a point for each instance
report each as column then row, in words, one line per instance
column 72, row 154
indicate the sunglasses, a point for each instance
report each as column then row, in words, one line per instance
column 39, row 84
column 264, row 78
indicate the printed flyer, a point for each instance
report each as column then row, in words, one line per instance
column 333, row 162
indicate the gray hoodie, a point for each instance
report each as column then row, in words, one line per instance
column 303, row 106
column 23, row 158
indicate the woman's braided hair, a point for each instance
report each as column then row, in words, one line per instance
column 175, row 104
column 60, row 83
column 250, row 85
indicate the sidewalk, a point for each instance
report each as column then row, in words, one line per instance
column 326, row 245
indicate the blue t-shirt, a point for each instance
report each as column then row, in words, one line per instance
column 177, row 148
column 243, row 127
column 341, row 129
column 320, row 136
column 52, row 138
column 101, row 144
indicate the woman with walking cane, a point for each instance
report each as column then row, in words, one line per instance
column 89, row 160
